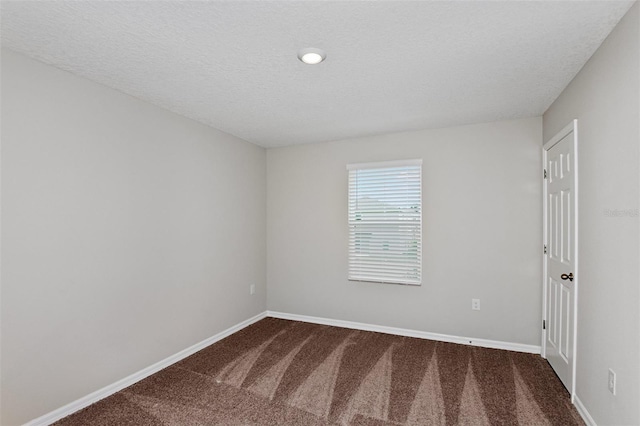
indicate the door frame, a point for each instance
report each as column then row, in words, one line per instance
column 571, row 127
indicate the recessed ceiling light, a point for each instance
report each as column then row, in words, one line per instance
column 311, row 55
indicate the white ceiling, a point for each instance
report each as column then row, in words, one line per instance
column 391, row 66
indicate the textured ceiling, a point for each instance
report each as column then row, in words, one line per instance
column 391, row 66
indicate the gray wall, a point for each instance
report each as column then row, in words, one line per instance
column 482, row 232
column 128, row 234
column 604, row 97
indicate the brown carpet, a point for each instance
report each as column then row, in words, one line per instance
column 278, row 372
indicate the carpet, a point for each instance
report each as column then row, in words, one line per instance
column 279, row 372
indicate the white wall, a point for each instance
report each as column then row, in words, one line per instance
column 482, row 232
column 604, row 97
column 128, row 234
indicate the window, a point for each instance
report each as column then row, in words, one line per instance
column 385, row 222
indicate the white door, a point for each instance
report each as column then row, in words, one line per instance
column 561, row 254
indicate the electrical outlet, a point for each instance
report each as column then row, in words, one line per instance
column 475, row 304
column 612, row 381
column 252, row 289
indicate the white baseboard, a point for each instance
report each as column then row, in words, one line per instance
column 494, row 344
column 96, row 396
column 582, row 410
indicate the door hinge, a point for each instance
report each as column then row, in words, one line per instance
column 545, row 249
column 545, row 173
column 544, row 324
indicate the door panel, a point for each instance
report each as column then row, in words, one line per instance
column 566, row 225
column 552, row 311
column 560, row 260
column 565, row 311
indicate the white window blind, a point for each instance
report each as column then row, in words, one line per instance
column 385, row 222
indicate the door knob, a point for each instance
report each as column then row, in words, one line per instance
column 567, row 277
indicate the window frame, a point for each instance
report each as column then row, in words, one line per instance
column 351, row 234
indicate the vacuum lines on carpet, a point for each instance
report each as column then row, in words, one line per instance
column 279, row 372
